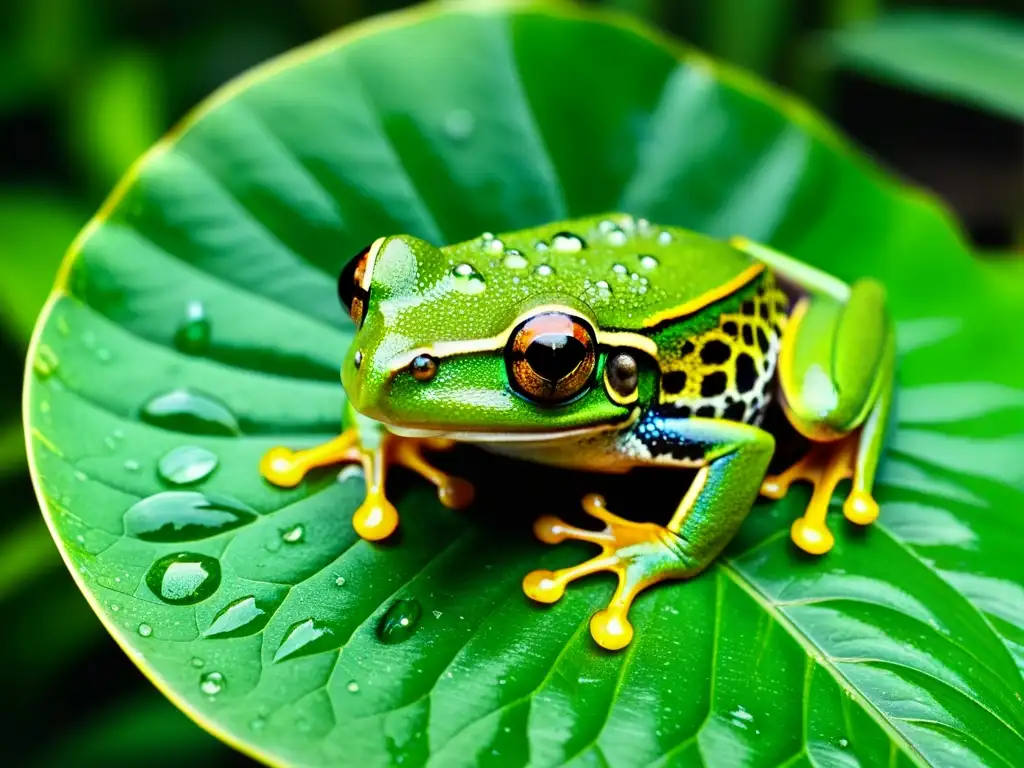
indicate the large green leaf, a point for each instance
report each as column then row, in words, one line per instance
column 961, row 56
column 200, row 311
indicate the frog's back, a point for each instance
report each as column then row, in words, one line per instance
column 632, row 275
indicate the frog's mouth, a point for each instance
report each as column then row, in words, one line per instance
column 521, row 436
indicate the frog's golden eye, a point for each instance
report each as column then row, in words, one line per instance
column 354, row 281
column 550, row 357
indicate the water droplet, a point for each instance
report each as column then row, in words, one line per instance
column 352, row 687
column 619, row 269
column 437, row 614
column 184, row 578
column 193, row 335
column 515, row 260
column 352, row 471
column 340, row 581
column 648, row 262
column 843, row 743
column 459, row 124
column 45, row 362
column 187, row 464
column 132, row 465
column 294, row 534
column 567, row 242
column 184, row 410
column 145, row 630
column 212, row 683
column 467, row 279
column 399, row 622
column 103, row 355
column 197, row 662
column 238, row 619
column 80, row 476
column 302, row 639
column 540, row 246
column 664, row 238
column 544, row 270
column 185, row 516
column 258, row 723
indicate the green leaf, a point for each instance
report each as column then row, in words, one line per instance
column 964, row 57
column 35, row 231
column 904, row 645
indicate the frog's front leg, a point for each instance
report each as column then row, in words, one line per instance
column 369, row 444
column 731, row 458
column 835, row 380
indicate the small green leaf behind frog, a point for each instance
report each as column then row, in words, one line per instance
column 604, row 344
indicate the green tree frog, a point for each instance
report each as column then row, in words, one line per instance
column 603, row 344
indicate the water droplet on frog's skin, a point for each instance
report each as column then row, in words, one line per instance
column 619, row 269
column 238, row 619
column 567, row 242
column 467, row 279
column 104, row 355
column 145, row 630
column 340, row 581
column 132, row 465
column 515, row 260
column 664, row 238
column 186, row 464
column 602, row 285
column 184, row 410
column 172, row 516
column 302, row 639
column 544, row 270
column 540, row 246
column 648, row 262
column 184, row 578
column 399, row 622
column 459, row 124
column 293, row 535
column 352, row 687
column 45, row 362
column 212, row 683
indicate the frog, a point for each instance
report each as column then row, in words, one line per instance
column 605, row 344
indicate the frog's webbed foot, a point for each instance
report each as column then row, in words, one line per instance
column 824, row 466
column 639, row 554
column 376, row 517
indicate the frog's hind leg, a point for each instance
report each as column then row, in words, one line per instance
column 731, row 459
column 835, row 378
column 367, row 443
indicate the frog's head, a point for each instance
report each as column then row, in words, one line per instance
column 481, row 353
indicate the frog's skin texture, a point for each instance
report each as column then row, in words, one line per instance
column 604, row 344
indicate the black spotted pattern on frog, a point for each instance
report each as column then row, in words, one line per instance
column 725, row 372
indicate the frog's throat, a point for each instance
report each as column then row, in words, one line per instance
column 524, row 436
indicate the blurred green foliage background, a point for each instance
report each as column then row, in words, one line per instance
column 934, row 91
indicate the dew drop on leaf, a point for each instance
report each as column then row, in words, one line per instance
column 145, row 630
column 241, row 617
column 459, row 124
column 340, row 581
column 352, row 687
column 171, row 516
column 212, row 683
column 648, row 262
column 293, row 535
column 45, row 362
column 399, row 622
column 301, row 639
column 515, row 260
column 544, row 270
column 185, row 410
column 193, row 335
column 186, row 464
column 184, row 578
column 664, row 238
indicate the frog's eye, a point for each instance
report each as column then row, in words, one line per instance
column 550, row 357
column 354, row 281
